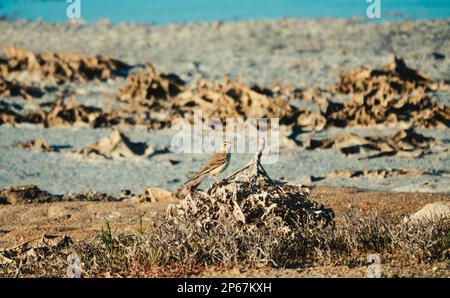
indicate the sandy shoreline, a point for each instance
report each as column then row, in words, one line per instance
column 58, row 172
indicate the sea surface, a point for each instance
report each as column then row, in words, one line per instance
column 181, row 11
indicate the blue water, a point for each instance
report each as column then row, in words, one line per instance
column 168, row 11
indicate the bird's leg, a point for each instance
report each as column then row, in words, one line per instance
column 217, row 179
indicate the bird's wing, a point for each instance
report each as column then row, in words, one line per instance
column 214, row 162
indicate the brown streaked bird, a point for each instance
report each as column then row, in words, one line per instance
column 216, row 164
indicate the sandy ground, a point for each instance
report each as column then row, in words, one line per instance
column 83, row 221
column 61, row 172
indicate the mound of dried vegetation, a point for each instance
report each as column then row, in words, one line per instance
column 149, row 93
column 31, row 194
column 395, row 93
column 116, row 146
column 59, row 68
column 406, row 143
column 14, row 88
column 63, row 114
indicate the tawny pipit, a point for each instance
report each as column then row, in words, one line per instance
column 216, row 164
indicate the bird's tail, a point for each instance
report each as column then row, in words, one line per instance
column 196, row 177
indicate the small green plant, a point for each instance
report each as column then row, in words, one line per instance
column 141, row 229
column 106, row 235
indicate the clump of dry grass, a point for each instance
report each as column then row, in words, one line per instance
column 169, row 249
column 359, row 236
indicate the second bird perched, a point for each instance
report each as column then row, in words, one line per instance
column 216, row 164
